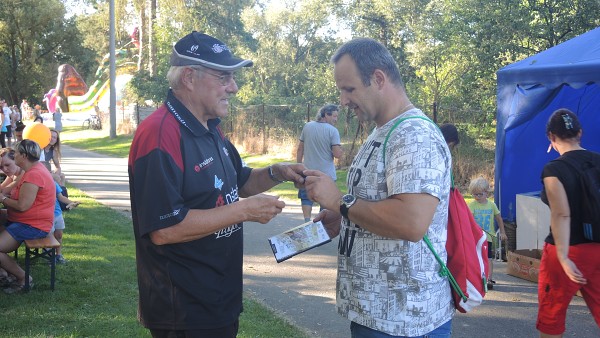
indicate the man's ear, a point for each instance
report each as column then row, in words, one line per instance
column 187, row 77
column 379, row 78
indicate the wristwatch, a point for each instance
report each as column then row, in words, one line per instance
column 347, row 201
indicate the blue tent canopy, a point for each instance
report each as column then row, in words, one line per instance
column 564, row 76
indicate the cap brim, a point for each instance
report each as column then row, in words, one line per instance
column 229, row 64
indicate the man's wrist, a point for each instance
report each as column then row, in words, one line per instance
column 272, row 176
column 346, row 202
column 4, row 199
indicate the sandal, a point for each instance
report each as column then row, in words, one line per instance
column 5, row 281
column 17, row 288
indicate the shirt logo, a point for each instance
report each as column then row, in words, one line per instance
column 194, row 48
column 172, row 214
column 177, row 116
column 227, row 232
column 225, row 151
column 204, row 164
column 218, row 183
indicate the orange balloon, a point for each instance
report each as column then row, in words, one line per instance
column 37, row 132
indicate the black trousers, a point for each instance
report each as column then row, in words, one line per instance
column 222, row 332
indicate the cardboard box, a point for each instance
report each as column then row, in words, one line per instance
column 524, row 264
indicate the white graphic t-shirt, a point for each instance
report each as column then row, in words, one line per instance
column 392, row 285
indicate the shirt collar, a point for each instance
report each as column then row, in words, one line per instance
column 186, row 118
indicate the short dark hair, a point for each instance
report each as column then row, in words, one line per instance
column 564, row 124
column 19, row 126
column 450, row 133
column 328, row 109
column 369, row 55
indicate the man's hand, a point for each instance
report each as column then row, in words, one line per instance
column 322, row 189
column 331, row 221
column 262, row 208
column 289, row 172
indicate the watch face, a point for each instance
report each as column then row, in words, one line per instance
column 348, row 198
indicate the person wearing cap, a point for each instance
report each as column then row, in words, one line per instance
column 185, row 181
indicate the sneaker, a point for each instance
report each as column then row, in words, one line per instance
column 490, row 286
column 60, row 259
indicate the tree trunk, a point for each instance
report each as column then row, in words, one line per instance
column 151, row 43
column 142, row 36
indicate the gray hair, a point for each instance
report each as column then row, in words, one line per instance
column 174, row 75
column 369, row 55
column 30, row 149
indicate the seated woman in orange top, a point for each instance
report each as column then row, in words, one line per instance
column 30, row 207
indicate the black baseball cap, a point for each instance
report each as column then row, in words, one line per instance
column 204, row 50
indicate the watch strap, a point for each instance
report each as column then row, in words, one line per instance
column 344, row 210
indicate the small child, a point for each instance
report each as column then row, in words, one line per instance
column 485, row 211
column 59, row 221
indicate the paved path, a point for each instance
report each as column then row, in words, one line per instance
column 101, row 177
column 302, row 288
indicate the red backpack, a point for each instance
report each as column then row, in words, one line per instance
column 467, row 247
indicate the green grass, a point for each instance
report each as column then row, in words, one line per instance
column 96, row 291
column 96, row 140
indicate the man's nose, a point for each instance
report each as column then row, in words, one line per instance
column 343, row 100
column 232, row 87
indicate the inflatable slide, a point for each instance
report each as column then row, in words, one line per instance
column 73, row 95
column 101, row 86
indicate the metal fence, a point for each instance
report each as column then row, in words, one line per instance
column 265, row 128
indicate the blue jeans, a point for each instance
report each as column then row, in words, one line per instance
column 360, row 331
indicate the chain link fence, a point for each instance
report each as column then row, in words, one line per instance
column 275, row 129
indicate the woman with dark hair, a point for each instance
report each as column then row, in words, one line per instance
column 570, row 262
column 30, row 208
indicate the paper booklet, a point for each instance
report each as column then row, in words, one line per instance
column 297, row 240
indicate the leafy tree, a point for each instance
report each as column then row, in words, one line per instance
column 35, row 38
column 292, row 54
column 217, row 18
